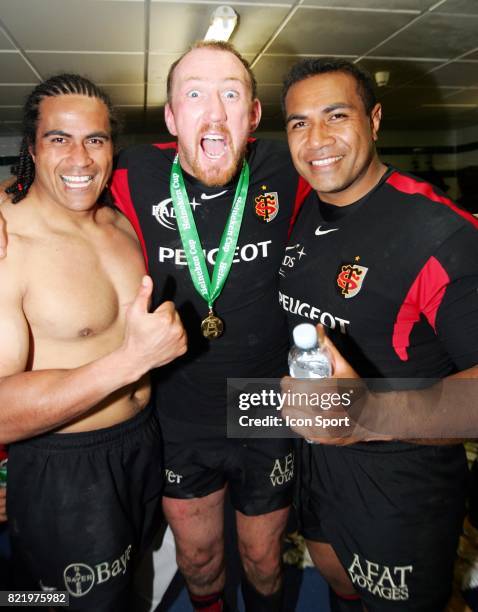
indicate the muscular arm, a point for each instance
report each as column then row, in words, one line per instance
column 443, row 413
column 38, row 401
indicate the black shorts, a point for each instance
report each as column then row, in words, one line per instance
column 200, row 460
column 81, row 508
column 392, row 512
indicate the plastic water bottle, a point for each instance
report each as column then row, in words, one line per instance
column 308, row 358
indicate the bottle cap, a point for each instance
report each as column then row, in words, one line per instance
column 305, row 336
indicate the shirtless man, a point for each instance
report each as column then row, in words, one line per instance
column 77, row 343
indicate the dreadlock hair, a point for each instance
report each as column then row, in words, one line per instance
column 59, row 85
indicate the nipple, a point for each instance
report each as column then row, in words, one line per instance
column 85, row 332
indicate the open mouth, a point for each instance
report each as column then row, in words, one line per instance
column 213, row 145
column 326, row 161
column 77, row 182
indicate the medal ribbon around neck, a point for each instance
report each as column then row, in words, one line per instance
column 208, row 289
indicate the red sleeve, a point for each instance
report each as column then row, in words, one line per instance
column 303, row 189
column 445, row 293
column 122, row 199
column 424, row 298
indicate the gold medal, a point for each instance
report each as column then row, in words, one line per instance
column 212, row 326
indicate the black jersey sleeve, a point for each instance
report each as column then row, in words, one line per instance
column 457, row 312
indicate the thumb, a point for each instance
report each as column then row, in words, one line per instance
column 341, row 367
column 321, row 335
column 141, row 301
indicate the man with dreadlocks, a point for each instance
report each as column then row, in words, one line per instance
column 77, row 343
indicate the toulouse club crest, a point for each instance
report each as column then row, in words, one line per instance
column 267, row 206
column 350, row 279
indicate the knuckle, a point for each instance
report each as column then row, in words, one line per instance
column 168, row 306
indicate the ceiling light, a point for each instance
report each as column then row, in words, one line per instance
column 223, row 22
column 382, row 77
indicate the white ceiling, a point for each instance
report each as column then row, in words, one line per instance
column 430, row 48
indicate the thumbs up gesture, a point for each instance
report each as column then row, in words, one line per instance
column 140, row 304
column 152, row 339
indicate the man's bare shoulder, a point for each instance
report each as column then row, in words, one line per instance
column 115, row 218
column 19, row 225
column 11, row 278
column 14, row 348
column 18, row 217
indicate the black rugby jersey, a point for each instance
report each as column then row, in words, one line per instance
column 255, row 338
column 394, row 278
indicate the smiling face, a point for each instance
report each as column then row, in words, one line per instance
column 73, row 152
column 211, row 113
column 332, row 138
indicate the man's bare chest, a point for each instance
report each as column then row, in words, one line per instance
column 77, row 288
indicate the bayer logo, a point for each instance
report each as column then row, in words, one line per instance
column 79, row 579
